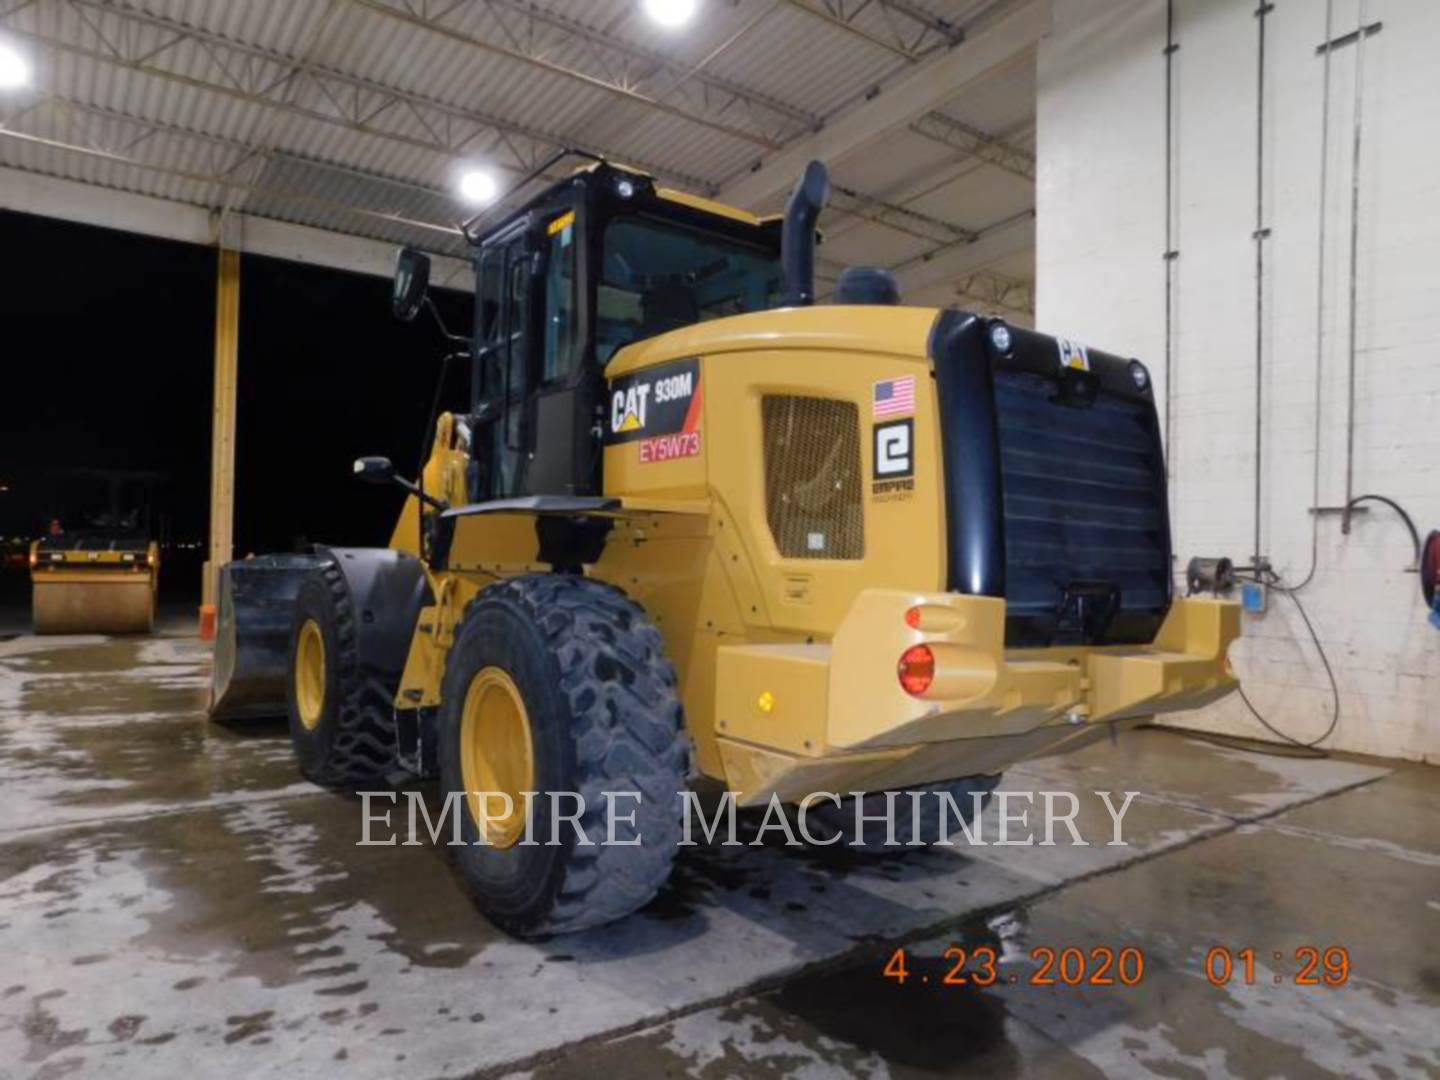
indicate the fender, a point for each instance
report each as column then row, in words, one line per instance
column 387, row 590
column 257, row 610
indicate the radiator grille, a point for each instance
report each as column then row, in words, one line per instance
column 1084, row 503
column 812, row 477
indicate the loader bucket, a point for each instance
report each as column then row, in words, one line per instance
column 252, row 634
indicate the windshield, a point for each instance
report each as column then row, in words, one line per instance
column 657, row 275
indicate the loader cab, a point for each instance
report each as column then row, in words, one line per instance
column 593, row 264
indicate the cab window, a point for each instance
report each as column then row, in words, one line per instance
column 658, row 275
column 559, row 357
column 492, row 271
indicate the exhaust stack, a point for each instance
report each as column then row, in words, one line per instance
column 797, row 240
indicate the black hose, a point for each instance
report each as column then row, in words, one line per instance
column 1243, row 743
column 1329, row 672
column 1409, row 521
column 1276, row 582
column 1315, row 565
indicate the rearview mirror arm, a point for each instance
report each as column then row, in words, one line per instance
column 379, row 470
column 421, row 494
column 456, row 339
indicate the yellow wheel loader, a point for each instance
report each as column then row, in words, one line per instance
column 695, row 524
column 96, row 568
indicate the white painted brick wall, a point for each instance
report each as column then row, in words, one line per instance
column 1100, row 278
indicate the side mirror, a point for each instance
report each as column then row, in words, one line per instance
column 375, row 470
column 380, row 470
column 412, row 280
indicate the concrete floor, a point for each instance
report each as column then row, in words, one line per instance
column 173, row 899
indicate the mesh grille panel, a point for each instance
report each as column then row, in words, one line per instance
column 812, row 477
column 1084, row 502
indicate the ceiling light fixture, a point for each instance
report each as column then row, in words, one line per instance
column 671, row 14
column 14, row 70
column 479, row 187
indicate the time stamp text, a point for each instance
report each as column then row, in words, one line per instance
column 1101, row 965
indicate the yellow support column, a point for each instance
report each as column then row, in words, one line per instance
column 222, row 431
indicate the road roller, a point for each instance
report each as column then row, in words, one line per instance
column 96, row 567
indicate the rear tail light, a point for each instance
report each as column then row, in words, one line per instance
column 916, row 669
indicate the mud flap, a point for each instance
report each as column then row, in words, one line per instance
column 252, row 634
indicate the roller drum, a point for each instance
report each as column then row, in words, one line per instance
column 102, row 603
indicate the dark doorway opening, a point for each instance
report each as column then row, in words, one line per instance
column 109, row 340
column 109, row 359
column 327, row 374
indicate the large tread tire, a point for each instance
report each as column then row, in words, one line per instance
column 604, row 716
column 908, row 826
column 353, row 744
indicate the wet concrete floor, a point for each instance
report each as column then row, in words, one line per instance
column 173, row 898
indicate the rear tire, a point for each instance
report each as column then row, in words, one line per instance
column 926, row 826
column 603, row 715
column 342, row 726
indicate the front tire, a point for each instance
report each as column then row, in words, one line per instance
column 342, row 726
column 559, row 684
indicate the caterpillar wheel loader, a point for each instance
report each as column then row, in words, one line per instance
column 695, row 524
column 96, row 568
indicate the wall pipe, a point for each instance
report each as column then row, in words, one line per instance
column 1320, row 296
column 1259, row 236
column 1170, row 253
column 1359, row 108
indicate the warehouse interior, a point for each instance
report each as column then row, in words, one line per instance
column 1235, row 199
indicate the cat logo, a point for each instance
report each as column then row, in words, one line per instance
column 628, row 412
column 1073, row 355
column 663, row 400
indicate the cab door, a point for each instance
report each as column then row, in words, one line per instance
column 563, row 456
column 502, row 359
column 529, row 435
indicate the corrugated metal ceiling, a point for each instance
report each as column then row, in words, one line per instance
column 357, row 115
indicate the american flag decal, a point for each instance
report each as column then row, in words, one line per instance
column 894, row 397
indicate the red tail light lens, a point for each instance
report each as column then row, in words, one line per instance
column 916, row 669
column 912, row 618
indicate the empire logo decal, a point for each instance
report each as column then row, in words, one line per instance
column 894, row 468
column 660, row 409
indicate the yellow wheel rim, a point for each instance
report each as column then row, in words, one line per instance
column 310, row 674
column 496, row 753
